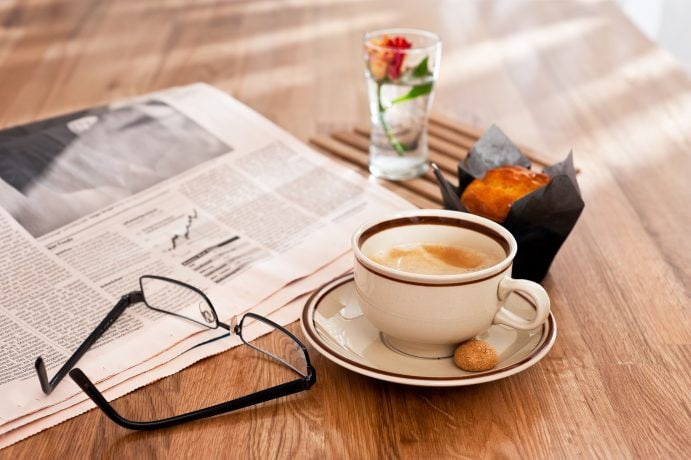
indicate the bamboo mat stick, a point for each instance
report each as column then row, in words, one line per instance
column 441, row 146
column 354, row 140
column 448, row 143
column 341, row 150
column 448, row 135
column 452, row 144
column 454, row 139
column 361, row 142
column 474, row 133
column 421, row 192
column 362, row 130
column 452, row 151
column 446, row 164
column 425, row 186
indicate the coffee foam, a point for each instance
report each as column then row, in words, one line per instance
column 434, row 259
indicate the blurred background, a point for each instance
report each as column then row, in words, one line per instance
column 667, row 22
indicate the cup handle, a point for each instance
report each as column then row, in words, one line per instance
column 536, row 295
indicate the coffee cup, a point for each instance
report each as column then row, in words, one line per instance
column 431, row 279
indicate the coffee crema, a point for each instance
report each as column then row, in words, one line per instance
column 434, row 259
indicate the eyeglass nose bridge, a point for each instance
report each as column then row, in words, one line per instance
column 235, row 325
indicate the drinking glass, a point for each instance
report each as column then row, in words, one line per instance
column 401, row 70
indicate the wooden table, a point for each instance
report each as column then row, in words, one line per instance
column 554, row 75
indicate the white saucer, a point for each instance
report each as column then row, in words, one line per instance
column 334, row 325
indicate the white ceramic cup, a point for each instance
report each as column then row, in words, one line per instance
column 429, row 315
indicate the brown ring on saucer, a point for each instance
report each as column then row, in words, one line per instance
column 547, row 339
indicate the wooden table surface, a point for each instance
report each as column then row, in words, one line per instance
column 556, row 76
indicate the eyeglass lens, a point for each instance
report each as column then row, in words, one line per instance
column 179, row 299
column 278, row 346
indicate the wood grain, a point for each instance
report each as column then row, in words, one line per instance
column 556, row 76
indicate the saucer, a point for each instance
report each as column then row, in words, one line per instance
column 334, row 325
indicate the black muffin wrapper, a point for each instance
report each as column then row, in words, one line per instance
column 540, row 221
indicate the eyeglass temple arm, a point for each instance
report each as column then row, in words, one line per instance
column 275, row 392
column 124, row 302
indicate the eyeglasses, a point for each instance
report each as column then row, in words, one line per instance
column 179, row 299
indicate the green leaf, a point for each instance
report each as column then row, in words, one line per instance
column 421, row 69
column 415, row 91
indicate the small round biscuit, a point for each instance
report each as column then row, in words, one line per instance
column 475, row 355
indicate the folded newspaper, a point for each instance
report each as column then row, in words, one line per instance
column 186, row 183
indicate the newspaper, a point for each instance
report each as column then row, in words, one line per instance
column 186, row 183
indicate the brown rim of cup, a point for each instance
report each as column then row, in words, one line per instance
column 433, row 219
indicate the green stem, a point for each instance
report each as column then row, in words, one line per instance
column 395, row 143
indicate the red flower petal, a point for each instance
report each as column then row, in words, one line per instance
column 396, row 62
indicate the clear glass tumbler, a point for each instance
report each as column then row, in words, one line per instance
column 401, row 70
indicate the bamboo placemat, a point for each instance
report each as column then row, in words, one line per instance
column 448, row 141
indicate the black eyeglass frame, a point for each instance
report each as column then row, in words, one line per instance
column 301, row 384
column 127, row 300
column 275, row 392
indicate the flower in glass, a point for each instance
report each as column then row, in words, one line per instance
column 386, row 58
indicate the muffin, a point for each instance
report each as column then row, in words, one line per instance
column 492, row 195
